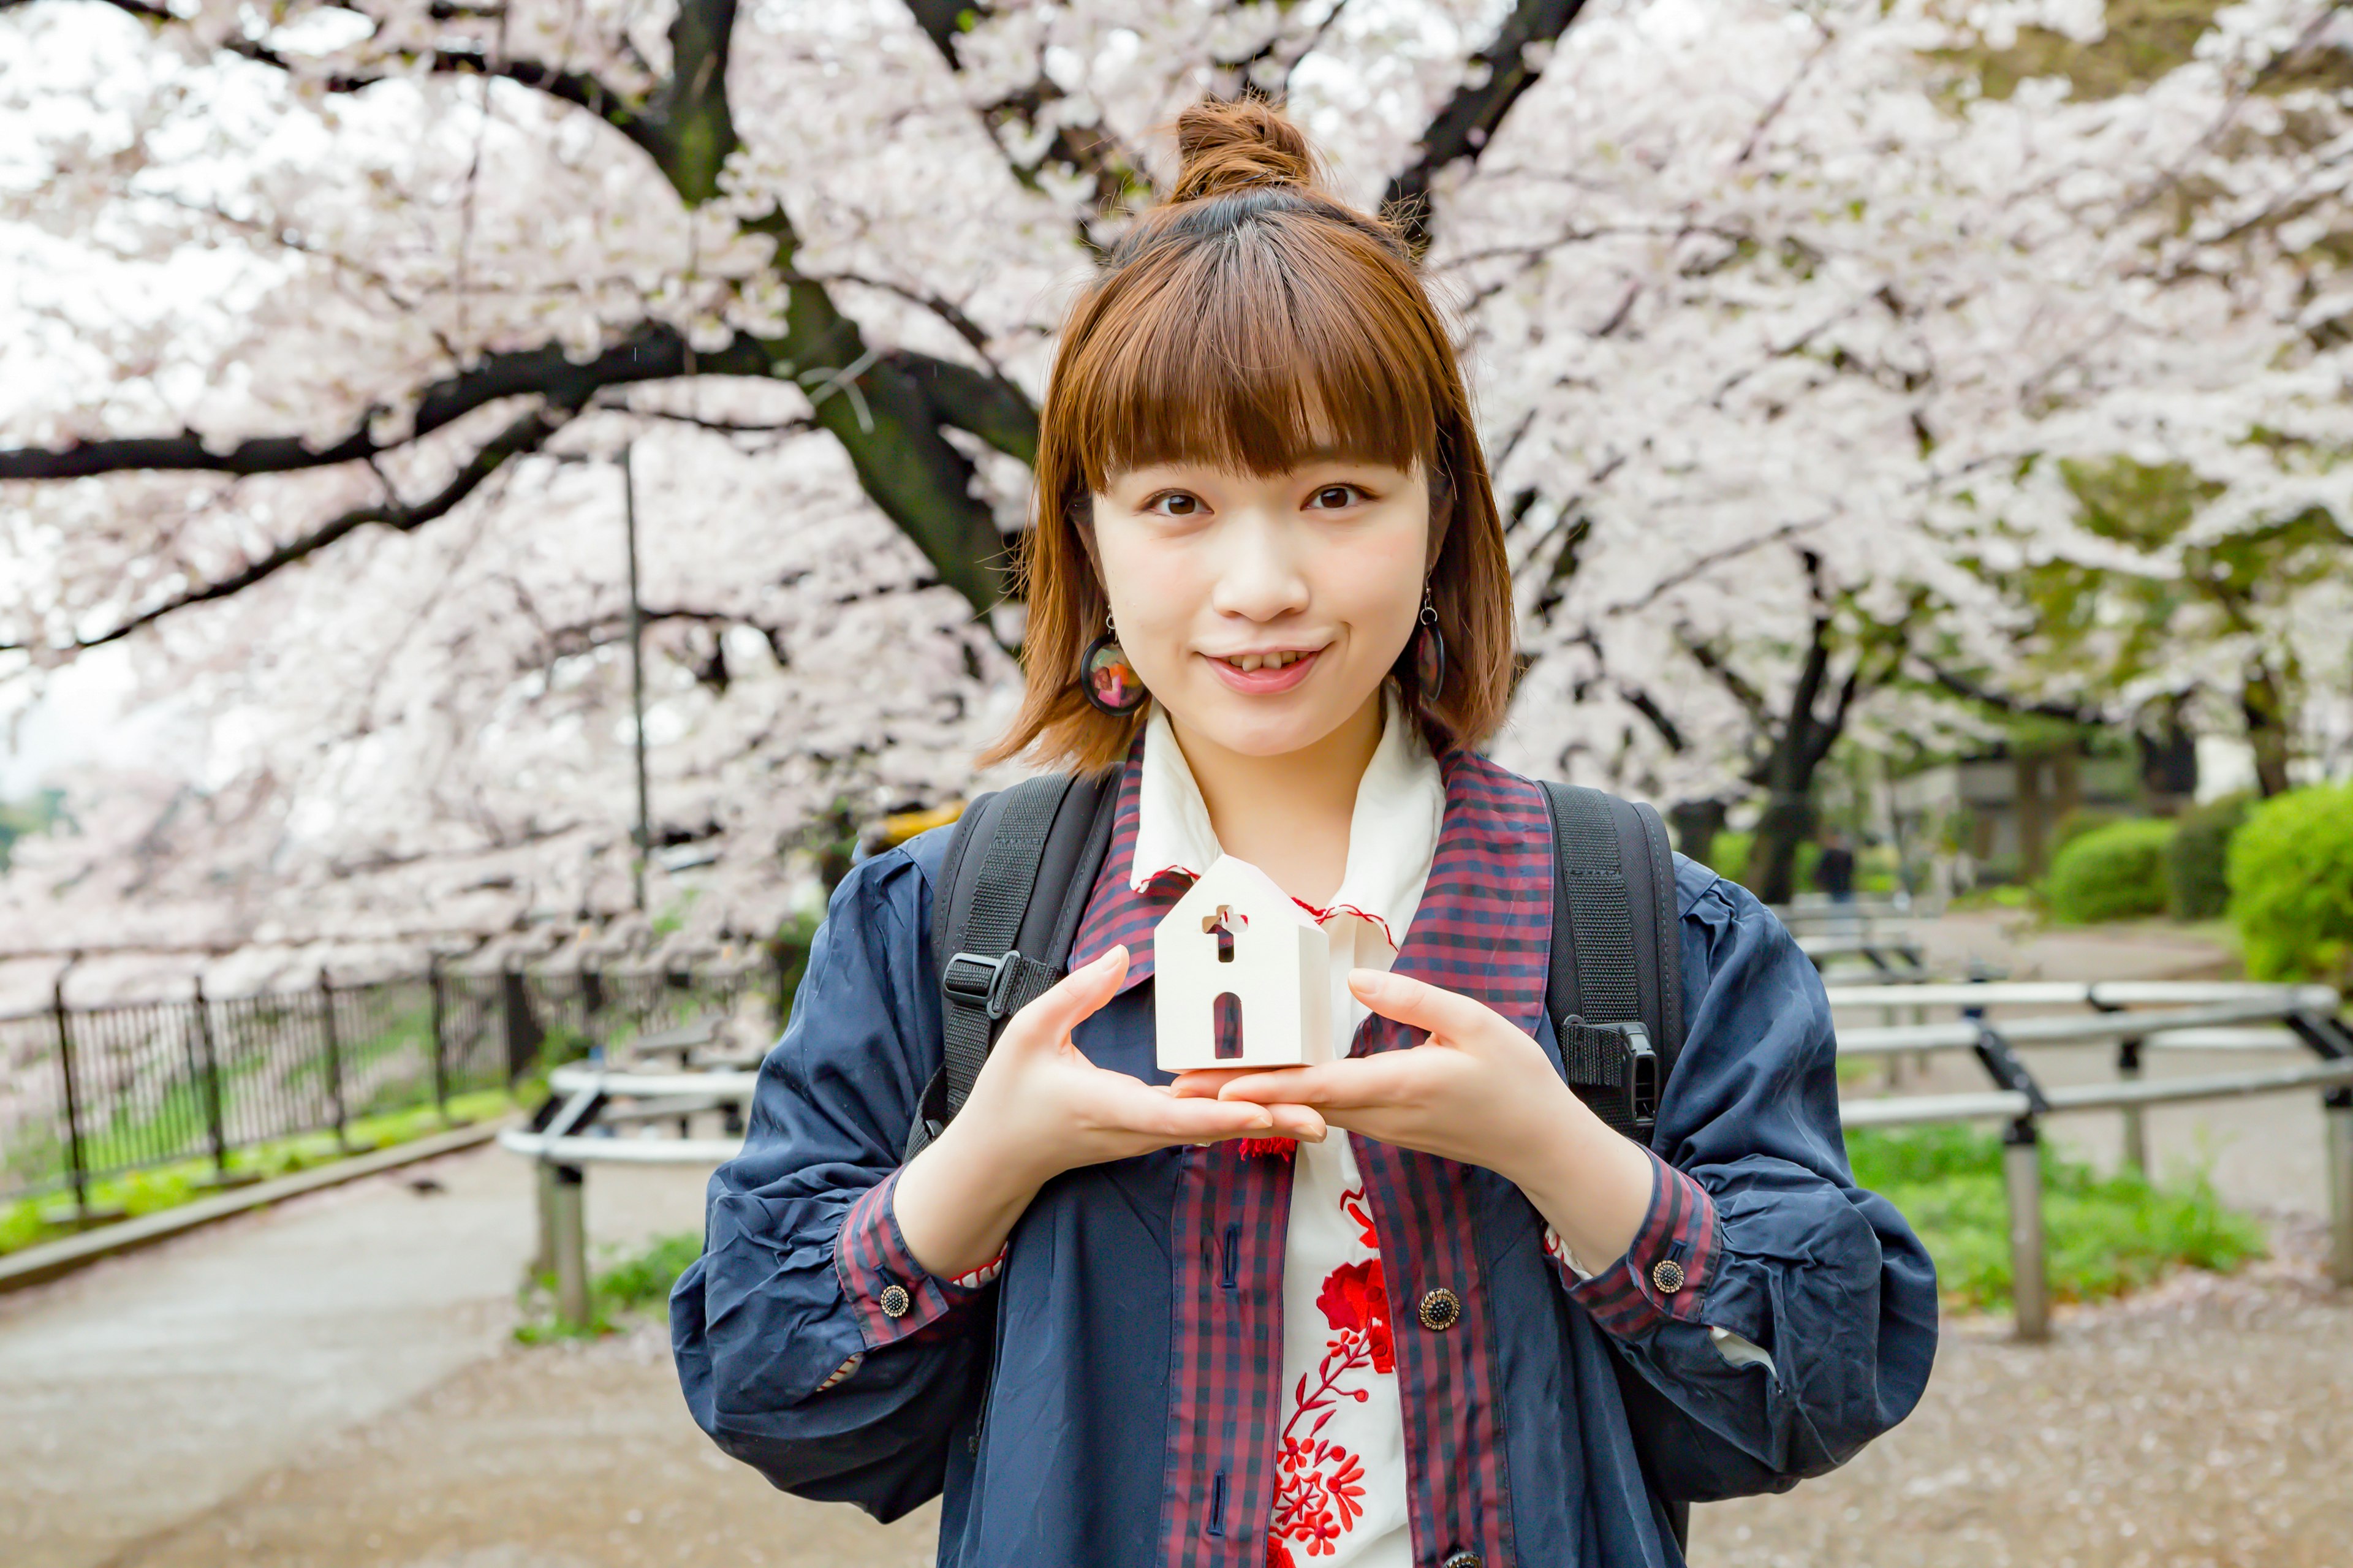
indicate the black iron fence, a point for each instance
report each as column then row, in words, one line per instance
column 86, row 1093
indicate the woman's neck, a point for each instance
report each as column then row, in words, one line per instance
column 1287, row 814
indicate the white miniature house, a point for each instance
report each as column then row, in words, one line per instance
column 1242, row 975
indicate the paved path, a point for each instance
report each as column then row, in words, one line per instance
column 146, row 1390
column 2202, row 1425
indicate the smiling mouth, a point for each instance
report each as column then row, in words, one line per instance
column 1265, row 674
column 1250, row 663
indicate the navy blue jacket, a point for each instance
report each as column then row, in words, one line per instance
column 1108, row 1399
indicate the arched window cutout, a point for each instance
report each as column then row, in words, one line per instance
column 1226, row 1013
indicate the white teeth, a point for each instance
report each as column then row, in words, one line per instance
column 1247, row 662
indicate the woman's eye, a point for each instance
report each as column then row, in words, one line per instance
column 1175, row 503
column 1334, row 497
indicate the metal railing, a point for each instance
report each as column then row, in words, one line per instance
column 593, row 1103
column 2135, row 1017
column 89, row 1093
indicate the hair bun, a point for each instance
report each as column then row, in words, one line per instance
column 1233, row 146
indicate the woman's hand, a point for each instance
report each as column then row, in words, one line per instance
column 1478, row 1091
column 1039, row 1108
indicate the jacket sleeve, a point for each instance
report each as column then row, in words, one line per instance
column 809, row 1344
column 1786, row 1316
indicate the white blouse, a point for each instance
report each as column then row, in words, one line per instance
column 1340, row 1487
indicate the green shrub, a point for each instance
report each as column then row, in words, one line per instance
column 1727, row 857
column 2080, row 822
column 2111, row 873
column 2197, row 887
column 2291, row 874
column 2105, row 1235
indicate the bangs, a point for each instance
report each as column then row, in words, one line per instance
column 1278, row 344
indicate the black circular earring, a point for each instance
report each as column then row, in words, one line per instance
column 1107, row 678
column 1429, row 651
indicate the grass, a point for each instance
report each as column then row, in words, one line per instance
column 2000, row 896
column 636, row 1282
column 25, row 1222
column 2105, row 1235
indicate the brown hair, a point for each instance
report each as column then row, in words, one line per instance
column 1253, row 321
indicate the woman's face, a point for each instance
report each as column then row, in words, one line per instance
column 1264, row 611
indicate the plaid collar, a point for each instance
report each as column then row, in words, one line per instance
column 1483, row 926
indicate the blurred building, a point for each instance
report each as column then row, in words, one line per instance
column 1998, row 815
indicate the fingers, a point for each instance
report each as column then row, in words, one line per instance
column 1196, row 1121
column 1073, row 999
column 1419, row 1004
column 1303, row 1122
column 1328, row 1086
column 1160, row 1111
column 1203, row 1083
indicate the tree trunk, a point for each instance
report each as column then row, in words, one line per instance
column 1787, row 822
column 1696, row 823
column 2266, row 708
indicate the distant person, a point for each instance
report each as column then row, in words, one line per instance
column 1127, row 1321
column 1834, row 873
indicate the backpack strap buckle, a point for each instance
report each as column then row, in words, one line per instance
column 979, row 981
column 997, row 987
column 1613, row 1068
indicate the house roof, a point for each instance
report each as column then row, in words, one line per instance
column 1230, row 881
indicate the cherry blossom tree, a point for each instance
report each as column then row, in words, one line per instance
column 1790, row 374
column 1791, row 325
column 452, row 259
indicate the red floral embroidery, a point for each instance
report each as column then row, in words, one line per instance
column 1352, row 1203
column 1319, row 1491
column 1356, row 1301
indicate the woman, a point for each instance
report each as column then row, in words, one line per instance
column 1119, row 1320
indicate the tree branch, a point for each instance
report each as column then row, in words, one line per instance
column 527, row 434
column 1704, row 654
column 975, row 401
column 684, row 125
column 654, row 351
column 1497, row 78
column 1960, row 685
column 1096, row 156
column 1642, row 702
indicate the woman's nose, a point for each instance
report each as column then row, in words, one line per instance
column 1259, row 578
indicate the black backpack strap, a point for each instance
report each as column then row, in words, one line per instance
column 1012, row 890
column 1615, row 988
column 1616, row 997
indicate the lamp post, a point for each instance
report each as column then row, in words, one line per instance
column 636, row 679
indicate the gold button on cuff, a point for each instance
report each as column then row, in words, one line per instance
column 1668, row 1276
column 895, row 1301
column 1441, row 1310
